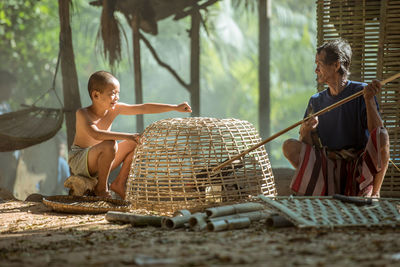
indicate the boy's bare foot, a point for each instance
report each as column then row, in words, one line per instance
column 102, row 193
column 119, row 189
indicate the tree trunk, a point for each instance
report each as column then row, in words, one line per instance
column 70, row 84
column 263, row 70
column 137, row 69
column 195, row 64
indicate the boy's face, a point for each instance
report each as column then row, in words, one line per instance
column 109, row 97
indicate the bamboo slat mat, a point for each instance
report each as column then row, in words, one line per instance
column 373, row 30
column 329, row 212
column 171, row 169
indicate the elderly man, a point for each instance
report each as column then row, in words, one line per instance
column 346, row 150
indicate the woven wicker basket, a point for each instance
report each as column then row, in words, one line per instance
column 84, row 204
column 172, row 168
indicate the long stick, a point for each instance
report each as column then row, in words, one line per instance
column 322, row 111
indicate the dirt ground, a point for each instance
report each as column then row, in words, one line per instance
column 33, row 235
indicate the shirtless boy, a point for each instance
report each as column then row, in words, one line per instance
column 95, row 151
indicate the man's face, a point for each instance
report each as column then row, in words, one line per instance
column 324, row 72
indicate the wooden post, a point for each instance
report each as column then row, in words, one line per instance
column 320, row 31
column 72, row 100
column 263, row 70
column 382, row 41
column 195, row 63
column 137, row 68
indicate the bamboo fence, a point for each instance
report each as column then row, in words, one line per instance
column 172, row 168
column 373, row 31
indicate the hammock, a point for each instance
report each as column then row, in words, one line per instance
column 27, row 127
column 32, row 125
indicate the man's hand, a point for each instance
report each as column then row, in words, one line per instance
column 310, row 124
column 306, row 128
column 184, row 107
column 372, row 89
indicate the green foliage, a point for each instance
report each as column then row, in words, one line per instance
column 293, row 41
column 29, row 45
column 230, row 69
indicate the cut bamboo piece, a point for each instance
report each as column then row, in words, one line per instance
column 176, row 222
column 253, row 216
column 238, row 223
column 180, row 221
column 278, row 221
column 135, row 220
column 198, row 222
column 182, row 213
column 233, row 209
column 218, row 225
column 322, row 111
column 228, row 224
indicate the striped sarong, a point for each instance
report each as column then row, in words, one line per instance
column 321, row 175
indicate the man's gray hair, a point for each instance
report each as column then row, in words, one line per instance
column 337, row 50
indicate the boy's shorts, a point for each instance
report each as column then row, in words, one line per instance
column 78, row 161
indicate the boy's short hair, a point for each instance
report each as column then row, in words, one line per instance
column 99, row 80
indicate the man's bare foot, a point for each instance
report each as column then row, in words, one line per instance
column 102, row 193
column 119, row 189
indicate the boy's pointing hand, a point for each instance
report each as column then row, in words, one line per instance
column 184, row 107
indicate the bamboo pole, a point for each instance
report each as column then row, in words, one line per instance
column 322, row 111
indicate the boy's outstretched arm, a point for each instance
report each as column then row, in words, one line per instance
column 149, row 108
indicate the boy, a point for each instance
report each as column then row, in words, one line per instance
column 95, row 151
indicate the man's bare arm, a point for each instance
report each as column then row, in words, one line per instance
column 373, row 118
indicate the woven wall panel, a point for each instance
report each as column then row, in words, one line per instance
column 373, row 30
column 390, row 98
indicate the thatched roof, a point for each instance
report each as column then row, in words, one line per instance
column 151, row 11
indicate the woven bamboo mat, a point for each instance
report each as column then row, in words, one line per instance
column 85, row 205
column 329, row 212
